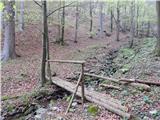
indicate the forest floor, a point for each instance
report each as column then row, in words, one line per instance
column 21, row 75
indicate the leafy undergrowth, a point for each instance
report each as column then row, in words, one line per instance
column 138, row 62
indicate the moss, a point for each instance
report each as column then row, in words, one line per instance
column 92, row 109
column 10, row 107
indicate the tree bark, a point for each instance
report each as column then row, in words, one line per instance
column 9, row 35
column 59, row 23
column 101, row 18
column 137, row 17
column 158, row 18
column 21, row 18
column 118, row 22
column 132, row 24
column 111, row 19
column 91, row 18
column 44, row 50
column 63, row 23
column 76, row 23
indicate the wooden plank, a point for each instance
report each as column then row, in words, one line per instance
column 93, row 96
column 67, row 61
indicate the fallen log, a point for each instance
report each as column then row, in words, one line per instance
column 94, row 96
column 122, row 81
column 110, row 86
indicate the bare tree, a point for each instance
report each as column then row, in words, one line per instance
column 9, row 35
column 45, row 37
column 158, row 38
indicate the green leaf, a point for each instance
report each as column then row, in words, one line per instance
column 1, row 6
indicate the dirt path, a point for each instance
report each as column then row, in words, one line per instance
column 22, row 74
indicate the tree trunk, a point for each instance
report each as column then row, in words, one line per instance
column 91, row 18
column 1, row 20
column 63, row 23
column 132, row 24
column 44, row 50
column 124, row 22
column 59, row 23
column 111, row 19
column 137, row 28
column 9, row 35
column 118, row 22
column 101, row 18
column 21, row 18
column 148, row 29
column 158, row 38
column 76, row 23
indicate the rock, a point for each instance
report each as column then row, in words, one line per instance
column 41, row 114
column 51, row 115
column 1, row 118
column 74, row 104
column 60, row 118
column 146, row 118
column 153, row 112
column 72, row 110
column 55, row 108
column 41, row 110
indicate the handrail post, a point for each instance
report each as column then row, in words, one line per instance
column 82, row 84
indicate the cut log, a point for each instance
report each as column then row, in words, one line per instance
column 94, row 96
column 122, row 81
column 149, row 82
column 140, row 86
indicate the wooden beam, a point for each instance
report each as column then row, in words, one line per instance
column 67, row 61
column 70, row 103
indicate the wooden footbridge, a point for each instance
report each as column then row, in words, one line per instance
column 78, row 89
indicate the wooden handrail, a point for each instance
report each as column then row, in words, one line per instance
column 67, row 61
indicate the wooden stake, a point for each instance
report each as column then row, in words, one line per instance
column 73, row 95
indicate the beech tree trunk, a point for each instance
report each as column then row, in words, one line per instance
column 101, row 18
column 21, row 18
column 132, row 24
column 63, row 23
column 118, row 22
column 9, row 34
column 44, row 50
column 137, row 17
column 59, row 23
column 91, row 17
column 158, row 30
column 111, row 17
column 76, row 23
